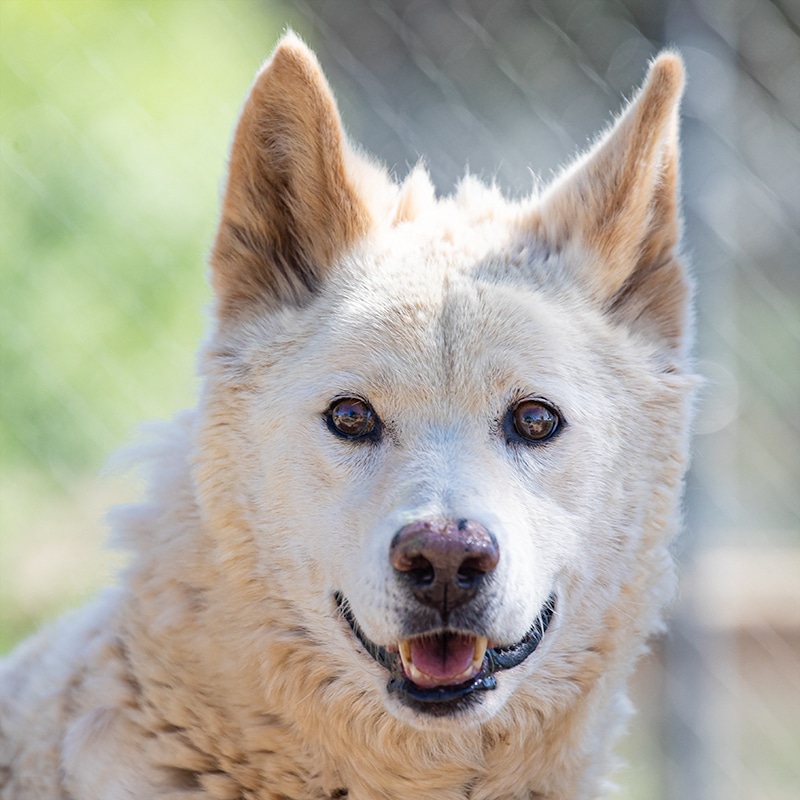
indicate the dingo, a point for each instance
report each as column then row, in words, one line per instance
column 415, row 536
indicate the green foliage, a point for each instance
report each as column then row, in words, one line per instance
column 116, row 118
column 116, row 122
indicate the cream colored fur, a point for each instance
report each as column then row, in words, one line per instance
column 220, row 667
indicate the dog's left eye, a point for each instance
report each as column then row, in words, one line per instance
column 352, row 418
column 535, row 420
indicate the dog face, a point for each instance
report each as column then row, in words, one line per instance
column 459, row 424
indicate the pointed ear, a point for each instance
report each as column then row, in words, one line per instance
column 290, row 207
column 617, row 211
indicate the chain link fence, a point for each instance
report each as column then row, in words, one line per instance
column 116, row 119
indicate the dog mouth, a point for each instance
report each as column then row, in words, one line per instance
column 434, row 672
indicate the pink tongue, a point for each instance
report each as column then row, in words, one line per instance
column 442, row 659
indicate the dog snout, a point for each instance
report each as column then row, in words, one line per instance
column 444, row 562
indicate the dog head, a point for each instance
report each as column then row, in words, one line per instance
column 448, row 435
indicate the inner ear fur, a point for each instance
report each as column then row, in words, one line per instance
column 616, row 211
column 290, row 207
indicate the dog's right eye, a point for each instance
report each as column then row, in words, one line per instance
column 352, row 418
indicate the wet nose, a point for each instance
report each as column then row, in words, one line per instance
column 444, row 561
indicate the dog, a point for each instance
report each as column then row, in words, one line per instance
column 416, row 534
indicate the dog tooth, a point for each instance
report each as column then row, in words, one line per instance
column 481, row 645
column 405, row 654
column 413, row 673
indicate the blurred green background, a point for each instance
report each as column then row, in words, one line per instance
column 116, row 116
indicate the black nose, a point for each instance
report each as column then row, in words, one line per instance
column 444, row 561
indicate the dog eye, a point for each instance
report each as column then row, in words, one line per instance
column 352, row 418
column 535, row 420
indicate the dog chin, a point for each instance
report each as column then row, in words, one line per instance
column 465, row 713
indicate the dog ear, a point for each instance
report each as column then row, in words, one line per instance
column 618, row 208
column 290, row 206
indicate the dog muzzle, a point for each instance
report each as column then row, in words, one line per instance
column 433, row 671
